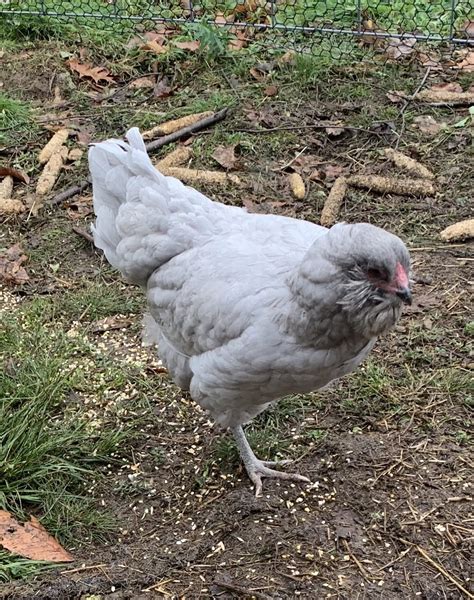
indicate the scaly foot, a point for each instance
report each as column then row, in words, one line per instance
column 258, row 469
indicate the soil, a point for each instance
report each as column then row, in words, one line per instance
column 389, row 512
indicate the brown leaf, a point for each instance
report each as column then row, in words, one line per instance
column 451, row 86
column 428, row 125
column 288, row 58
column 192, row 46
column 30, row 540
column 86, row 70
column 395, row 96
column 257, row 74
column 468, row 29
column 155, row 36
column 333, row 171
column 264, row 117
column 225, row 156
column 221, row 19
column 15, row 173
column 251, row 206
column 143, row 82
column 162, row 88
column 79, row 208
column 334, row 131
column 270, row 90
column 84, row 134
column 154, row 46
column 400, row 47
column 467, row 64
column 240, row 41
column 109, row 323
column 11, row 270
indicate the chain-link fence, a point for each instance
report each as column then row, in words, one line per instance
column 369, row 21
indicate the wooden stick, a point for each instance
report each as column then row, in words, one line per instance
column 83, row 233
column 167, row 139
column 443, row 571
column 70, row 192
column 185, row 131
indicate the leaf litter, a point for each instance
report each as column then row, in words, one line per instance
column 226, row 157
column 97, row 74
column 12, row 271
column 30, row 540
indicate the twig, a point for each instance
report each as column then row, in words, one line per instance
column 155, row 144
column 85, row 568
column 85, row 234
column 440, row 569
column 158, row 587
column 395, row 560
column 406, row 104
column 70, row 192
column 288, row 164
column 233, row 587
column 365, row 574
column 185, row 131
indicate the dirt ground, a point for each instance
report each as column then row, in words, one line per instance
column 389, row 512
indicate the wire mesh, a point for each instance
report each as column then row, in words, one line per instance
column 368, row 21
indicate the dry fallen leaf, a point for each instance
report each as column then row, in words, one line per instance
column 257, row 74
column 154, row 46
column 143, row 82
column 30, row 540
column 288, row 58
column 109, row 323
column 221, row 19
column 467, row 64
column 79, row 208
column 11, row 270
column 162, row 88
column 428, row 125
column 192, row 46
column 400, row 47
column 98, row 74
column 15, row 173
column 451, row 86
column 468, row 29
column 335, row 131
column 333, row 171
column 225, row 156
column 271, row 90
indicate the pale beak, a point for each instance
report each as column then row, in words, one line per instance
column 404, row 294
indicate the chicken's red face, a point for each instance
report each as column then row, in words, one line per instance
column 396, row 283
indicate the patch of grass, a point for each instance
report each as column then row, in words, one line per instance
column 48, row 451
column 97, row 301
column 16, row 567
column 14, row 118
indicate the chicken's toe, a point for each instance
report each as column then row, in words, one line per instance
column 258, row 469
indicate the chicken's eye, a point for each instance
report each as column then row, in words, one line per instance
column 377, row 274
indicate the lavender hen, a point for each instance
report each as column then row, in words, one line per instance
column 244, row 308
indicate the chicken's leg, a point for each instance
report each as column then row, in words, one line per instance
column 256, row 468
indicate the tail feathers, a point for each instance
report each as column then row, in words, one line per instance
column 135, row 139
column 143, row 217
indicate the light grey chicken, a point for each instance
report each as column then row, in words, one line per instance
column 244, row 308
